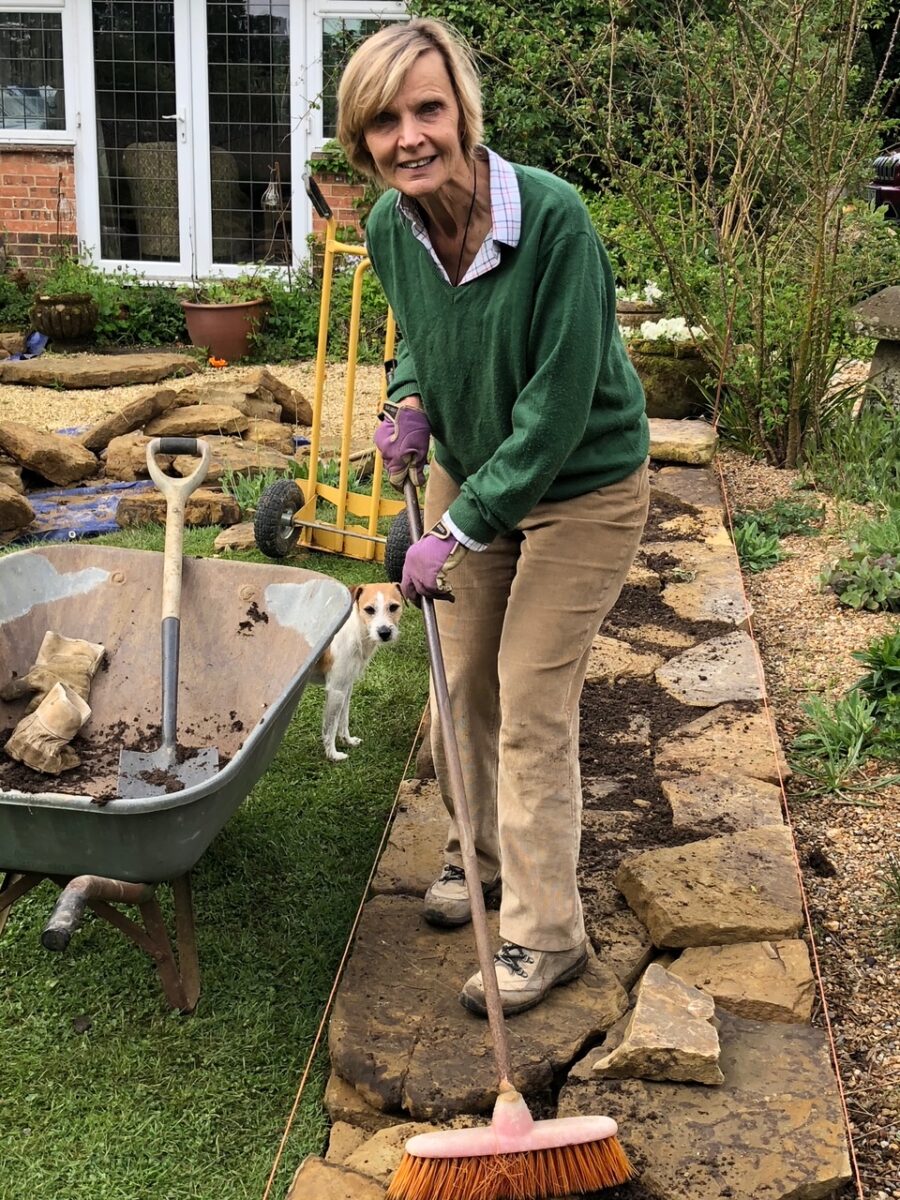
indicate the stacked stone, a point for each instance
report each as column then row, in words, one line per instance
column 249, row 426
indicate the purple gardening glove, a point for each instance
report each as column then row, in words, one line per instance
column 403, row 442
column 428, row 563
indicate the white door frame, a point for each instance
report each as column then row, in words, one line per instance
column 192, row 140
column 87, row 188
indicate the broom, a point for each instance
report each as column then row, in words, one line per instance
column 515, row 1157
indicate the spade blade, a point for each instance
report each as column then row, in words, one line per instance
column 158, row 772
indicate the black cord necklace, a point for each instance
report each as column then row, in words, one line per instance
column 462, row 248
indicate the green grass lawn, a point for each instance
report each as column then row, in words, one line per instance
column 150, row 1105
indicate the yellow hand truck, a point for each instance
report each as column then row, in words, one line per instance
column 287, row 514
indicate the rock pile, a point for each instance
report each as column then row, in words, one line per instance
column 249, row 425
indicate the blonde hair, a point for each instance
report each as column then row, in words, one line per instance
column 375, row 75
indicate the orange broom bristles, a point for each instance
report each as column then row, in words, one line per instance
column 532, row 1175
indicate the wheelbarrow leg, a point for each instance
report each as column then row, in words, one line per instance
column 186, row 938
column 181, row 987
column 12, row 886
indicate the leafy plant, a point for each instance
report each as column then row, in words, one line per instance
column 836, row 742
column 16, row 294
column 756, row 549
column 857, row 458
column 229, row 290
column 860, row 580
column 882, row 657
column 247, row 489
column 784, row 517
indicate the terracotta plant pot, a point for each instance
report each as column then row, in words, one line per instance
column 671, row 375
column 224, row 329
column 69, row 316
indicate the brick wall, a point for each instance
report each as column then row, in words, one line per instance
column 340, row 194
column 30, row 182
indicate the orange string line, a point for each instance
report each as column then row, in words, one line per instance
column 776, row 751
column 340, row 971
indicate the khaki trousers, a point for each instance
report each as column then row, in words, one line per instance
column 516, row 645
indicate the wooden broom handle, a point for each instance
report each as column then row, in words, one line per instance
column 463, row 817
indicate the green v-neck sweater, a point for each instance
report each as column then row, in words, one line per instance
column 522, row 372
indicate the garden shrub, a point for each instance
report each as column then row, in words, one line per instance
column 857, row 458
column 742, row 137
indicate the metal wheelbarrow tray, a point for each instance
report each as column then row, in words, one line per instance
column 250, row 637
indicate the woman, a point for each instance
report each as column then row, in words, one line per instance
column 511, row 360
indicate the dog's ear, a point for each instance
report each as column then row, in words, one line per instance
column 398, row 594
column 356, row 592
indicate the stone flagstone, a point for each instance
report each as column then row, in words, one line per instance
column 611, row 659
column 11, row 475
column 399, row 1034
column 15, row 511
column 691, row 442
column 716, row 803
column 763, row 981
column 773, row 1131
column 343, row 1139
column 198, row 420
column 709, row 586
column 723, row 669
column 696, row 488
column 739, row 888
column 236, row 537
column 203, row 507
column 667, row 1035
column 727, row 740
column 234, row 455
column 412, row 858
column 133, row 416
column 344, row 1104
column 97, row 370
column 317, row 1179
column 59, row 459
column 622, row 942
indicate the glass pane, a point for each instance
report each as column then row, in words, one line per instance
column 340, row 37
column 248, row 51
column 137, row 157
column 31, row 71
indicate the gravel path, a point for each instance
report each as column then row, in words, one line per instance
column 806, row 641
column 52, row 408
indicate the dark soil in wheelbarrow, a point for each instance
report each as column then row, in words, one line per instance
column 98, row 770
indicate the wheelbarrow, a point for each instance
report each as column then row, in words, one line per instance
column 250, row 637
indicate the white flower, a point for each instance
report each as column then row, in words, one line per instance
column 650, row 294
column 669, row 329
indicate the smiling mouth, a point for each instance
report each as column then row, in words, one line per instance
column 419, row 162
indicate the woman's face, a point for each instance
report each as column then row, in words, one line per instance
column 415, row 139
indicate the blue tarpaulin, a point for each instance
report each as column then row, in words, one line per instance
column 63, row 514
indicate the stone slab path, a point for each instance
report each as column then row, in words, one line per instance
column 692, row 903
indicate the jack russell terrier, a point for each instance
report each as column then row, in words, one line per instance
column 372, row 623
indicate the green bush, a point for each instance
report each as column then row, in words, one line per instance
column 785, row 517
column 16, row 296
column 756, row 550
column 860, row 580
column 858, row 458
column 292, row 328
column 882, row 657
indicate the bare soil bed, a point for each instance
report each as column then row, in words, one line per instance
column 806, row 640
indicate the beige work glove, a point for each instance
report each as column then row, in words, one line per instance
column 40, row 740
column 71, row 661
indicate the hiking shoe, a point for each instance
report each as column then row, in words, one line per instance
column 525, row 977
column 447, row 900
